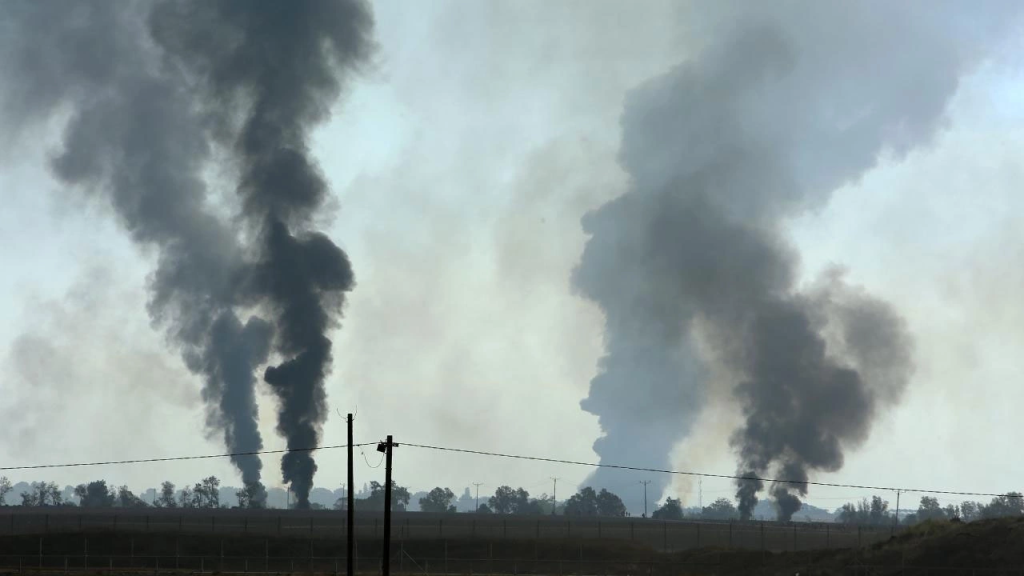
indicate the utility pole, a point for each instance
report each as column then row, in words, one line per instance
column 897, row 523
column 386, row 448
column 554, row 495
column 700, row 494
column 477, row 484
column 349, row 503
column 645, row 483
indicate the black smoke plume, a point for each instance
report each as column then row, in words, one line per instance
column 267, row 74
column 139, row 137
column 782, row 105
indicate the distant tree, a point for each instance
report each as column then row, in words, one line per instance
column 484, row 509
column 438, row 500
column 533, row 507
column 969, row 511
column 672, row 509
column 166, row 498
column 186, row 499
column 252, row 495
column 879, row 511
column 95, row 494
column 509, row 501
column 929, row 509
column 5, row 489
column 609, row 504
column 847, row 514
column 582, row 503
column 127, row 499
column 1012, row 504
column 42, row 494
column 721, row 509
column 910, row 519
column 375, row 501
column 206, row 494
column 952, row 511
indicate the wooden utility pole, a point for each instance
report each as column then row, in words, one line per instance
column 645, row 483
column 386, row 560
column 350, row 501
column 554, row 496
column 477, row 484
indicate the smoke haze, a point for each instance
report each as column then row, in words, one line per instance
column 781, row 107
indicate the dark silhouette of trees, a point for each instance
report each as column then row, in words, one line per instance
column 206, row 493
column 252, row 495
column 42, row 494
column 438, row 500
column 672, row 509
column 721, row 509
column 587, row 502
column 127, row 499
column 517, row 501
column 95, row 494
column 185, row 499
column 5, row 488
column 166, row 498
column 375, row 501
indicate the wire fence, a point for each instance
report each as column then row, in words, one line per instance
column 665, row 536
column 406, row 564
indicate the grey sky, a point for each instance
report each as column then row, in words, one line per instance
column 461, row 165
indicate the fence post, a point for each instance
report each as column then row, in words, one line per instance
column 181, row 522
column 177, row 553
column 245, row 525
column 473, row 529
column 632, row 532
column 40, row 551
column 48, row 523
column 664, row 534
column 598, row 528
column 79, row 522
column 538, row 529
column 504, row 528
column 698, row 534
column 794, row 537
column 278, row 525
column 115, row 522
column 221, row 554
column 440, row 528
column 213, row 523
column 266, row 558
column 827, row 539
column 445, row 558
column 730, row 534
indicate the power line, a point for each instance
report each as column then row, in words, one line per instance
column 176, row 458
column 707, row 474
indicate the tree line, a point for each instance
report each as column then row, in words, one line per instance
column 876, row 510
column 98, row 494
column 505, row 500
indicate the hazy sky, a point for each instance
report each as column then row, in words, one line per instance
column 461, row 165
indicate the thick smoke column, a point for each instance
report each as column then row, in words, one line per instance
column 133, row 137
column 138, row 136
column 784, row 104
column 269, row 72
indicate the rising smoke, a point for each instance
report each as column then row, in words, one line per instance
column 783, row 104
column 138, row 136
